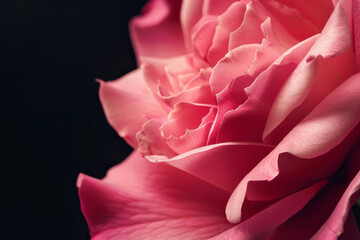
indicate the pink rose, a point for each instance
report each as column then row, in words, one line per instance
column 244, row 116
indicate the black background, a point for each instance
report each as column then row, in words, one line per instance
column 52, row 123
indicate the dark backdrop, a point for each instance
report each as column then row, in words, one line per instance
column 52, row 124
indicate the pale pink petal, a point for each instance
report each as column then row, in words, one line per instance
column 228, row 22
column 141, row 200
column 191, row 139
column 150, row 141
column 162, row 75
column 261, row 225
column 223, row 165
column 202, row 78
column 314, row 77
column 185, row 116
column 235, row 63
column 128, row 94
column 157, row 32
column 321, row 131
column 200, row 94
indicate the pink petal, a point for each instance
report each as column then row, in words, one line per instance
column 138, row 200
column 223, row 165
column 203, row 34
column 336, row 222
column 185, row 116
column 191, row 12
column 314, row 78
column 229, row 99
column 157, row 32
column 163, row 75
column 192, row 138
column 128, row 94
column 275, row 42
column 309, row 10
column 261, row 94
column 261, row 225
column 321, row 131
column 215, row 7
column 323, row 205
column 200, row 94
column 291, row 19
column 249, row 31
column 235, row 63
column 356, row 22
column 150, row 141
column 228, row 22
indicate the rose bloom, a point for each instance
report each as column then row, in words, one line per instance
column 244, row 116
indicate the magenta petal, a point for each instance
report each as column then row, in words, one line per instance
column 138, row 200
column 158, row 33
column 356, row 21
column 128, row 94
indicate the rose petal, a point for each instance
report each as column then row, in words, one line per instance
column 229, row 21
column 262, row 92
column 203, row 34
column 184, row 116
column 261, row 225
column 235, row 63
column 215, row 7
column 249, row 31
column 323, row 204
column 223, row 165
column 323, row 129
column 229, row 99
column 138, row 200
column 356, row 21
column 157, row 33
column 309, row 10
column 314, row 78
column 150, row 141
column 192, row 138
column 291, row 19
column 128, row 94
column 191, row 12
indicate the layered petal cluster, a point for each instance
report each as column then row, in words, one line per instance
column 245, row 120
